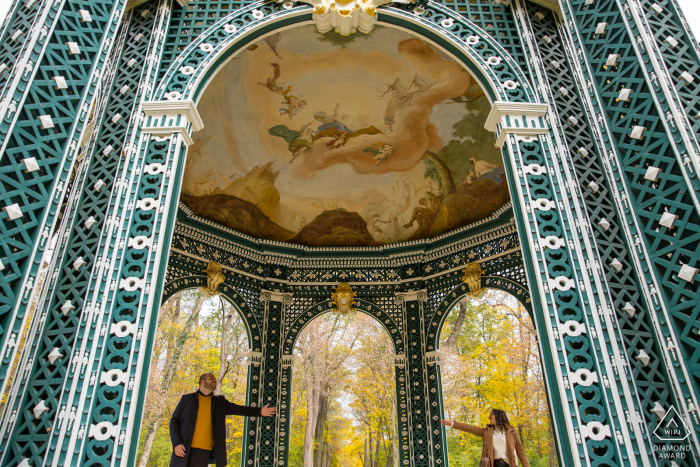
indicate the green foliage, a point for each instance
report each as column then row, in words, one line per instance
column 432, row 172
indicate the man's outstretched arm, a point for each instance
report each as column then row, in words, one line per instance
column 245, row 411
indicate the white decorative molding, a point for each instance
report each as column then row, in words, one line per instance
column 517, row 118
column 399, row 360
column 433, row 357
column 164, row 118
column 287, row 361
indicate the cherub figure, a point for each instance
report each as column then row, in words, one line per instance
column 471, row 178
column 271, row 83
column 295, row 105
column 380, row 151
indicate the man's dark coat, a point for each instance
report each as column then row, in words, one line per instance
column 185, row 417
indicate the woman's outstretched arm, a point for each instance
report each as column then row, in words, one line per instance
column 521, row 451
column 474, row 430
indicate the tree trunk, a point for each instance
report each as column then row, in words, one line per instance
column 376, row 450
column 180, row 344
column 146, row 453
column 319, row 432
column 171, row 339
column 312, row 395
column 328, row 455
column 458, row 325
column 448, row 184
column 313, row 391
column 226, row 322
column 367, row 462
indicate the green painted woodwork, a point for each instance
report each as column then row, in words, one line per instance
column 193, row 66
column 637, row 331
column 38, row 194
column 644, row 201
column 684, row 57
column 20, row 18
column 68, row 283
column 496, row 19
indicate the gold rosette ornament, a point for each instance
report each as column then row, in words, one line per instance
column 343, row 298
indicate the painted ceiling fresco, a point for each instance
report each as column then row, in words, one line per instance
column 325, row 140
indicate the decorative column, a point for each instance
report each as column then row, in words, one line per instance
column 585, row 393
column 253, row 390
column 403, row 413
column 102, row 399
column 42, row 116
column 616, row 266
column 422, row 449
column 60, row 316
column 435, row 406
column 272, row 433
column 653, row 181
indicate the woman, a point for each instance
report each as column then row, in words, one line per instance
column 500, row 440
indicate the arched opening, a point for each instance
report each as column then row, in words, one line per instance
column 197, row 333
column 343, row 398
column 490, row 360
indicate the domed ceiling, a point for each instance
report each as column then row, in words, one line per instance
column 325, row 140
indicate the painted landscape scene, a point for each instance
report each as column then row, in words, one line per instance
column 328, row 141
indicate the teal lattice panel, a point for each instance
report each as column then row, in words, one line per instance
column 496, row 19
column 679, row 54
column 187, row 24
column 637, row 329
column 47, row 144
column 64, row 310
column 649, row 196
column 16, row 34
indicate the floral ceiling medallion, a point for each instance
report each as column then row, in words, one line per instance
column 347, row 17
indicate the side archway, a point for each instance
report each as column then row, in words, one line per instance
column 233, row 297
column 456, row 294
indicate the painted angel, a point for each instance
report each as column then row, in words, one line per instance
column 380, row 151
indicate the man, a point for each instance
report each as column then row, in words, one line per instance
column 199, row 436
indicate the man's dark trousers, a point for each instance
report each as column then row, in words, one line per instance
column 199, row 458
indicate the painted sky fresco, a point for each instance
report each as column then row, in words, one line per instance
column 324, row 140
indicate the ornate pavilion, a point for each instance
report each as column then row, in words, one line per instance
column 318, row 156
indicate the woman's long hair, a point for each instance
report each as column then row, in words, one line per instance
column 502, row 423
